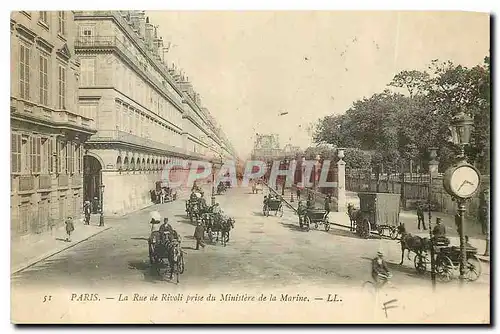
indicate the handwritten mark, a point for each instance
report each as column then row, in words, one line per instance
column 387, row 306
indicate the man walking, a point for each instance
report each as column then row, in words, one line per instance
column 69, row 228
column 328, row 203
column 199, row 234
column 420, row 216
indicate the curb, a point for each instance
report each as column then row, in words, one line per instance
column 52, row 253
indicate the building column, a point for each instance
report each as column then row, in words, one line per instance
column 341, row 196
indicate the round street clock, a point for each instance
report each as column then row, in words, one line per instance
column 462, row 180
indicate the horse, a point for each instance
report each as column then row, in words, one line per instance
column 353, row 213
column 412, row 243
column 170, row 250
column 226, row 226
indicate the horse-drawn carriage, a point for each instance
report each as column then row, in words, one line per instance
column 273, row 204
column 221, row 188
column 195, row 206
column 378, row 212
column 316, row 217
column 216, row 224
column 162, row 248
column 447, row 263
column 163, row 189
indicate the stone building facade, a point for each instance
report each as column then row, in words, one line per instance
column 147, row 114
column 47, row 128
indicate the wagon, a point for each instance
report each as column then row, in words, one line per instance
column 378, row 212
column 273, row 204
column 447, row 263
column 316, row 217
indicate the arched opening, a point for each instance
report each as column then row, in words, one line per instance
column 125, row 164
column 92, row 180
column 148, row 165
column 156, row 165
column 119, row 165
column 132, row 164
column 143, row 165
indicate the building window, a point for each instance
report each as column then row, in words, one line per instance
column 62, row 23
column 24, row 218
column 35, row 154
column 88, row 72
column 44, row 81
column 50, row 154
column 86, row 33
column 62, row 87
column 79, row 156
column 24, row 72
column 44, row 18
column 15, row 159
column 61, row 157
column 70, row 162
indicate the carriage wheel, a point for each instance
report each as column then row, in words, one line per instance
column 444, row 268
column 393, row 232
column 473, row 269
column 151, row 252
column 281, row 210
column 316, row 225
column 420, row 262
column 327, row 225
column 307, row 222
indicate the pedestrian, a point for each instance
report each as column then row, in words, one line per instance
column 199, row 233
column 70, row 227
column 420, row 216
column 328, row 202
column 87, row 211
column 298, row 194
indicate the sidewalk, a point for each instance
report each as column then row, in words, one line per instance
column 26, row 254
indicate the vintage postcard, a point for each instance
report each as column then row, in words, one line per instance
column 230, row 167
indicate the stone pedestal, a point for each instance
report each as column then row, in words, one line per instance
column 433, row 168
column 341, row 195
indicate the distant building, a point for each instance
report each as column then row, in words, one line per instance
column 47, row 128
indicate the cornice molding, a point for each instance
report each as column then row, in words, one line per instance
column 44, row 44
column 25, row 32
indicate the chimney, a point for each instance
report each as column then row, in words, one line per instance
column 149, row 33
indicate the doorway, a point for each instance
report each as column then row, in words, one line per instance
column 92, row 178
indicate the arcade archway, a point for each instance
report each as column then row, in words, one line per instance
column 92, row 176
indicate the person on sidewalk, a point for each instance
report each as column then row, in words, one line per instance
column 86, row 211
column 199, row 233
column 328, row 204
column 70, row 227
column 298, row 194
column 420, row 216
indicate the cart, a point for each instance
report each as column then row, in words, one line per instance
column 447, row 263
column 273, row 204
column 378, row 212
column 316, row 217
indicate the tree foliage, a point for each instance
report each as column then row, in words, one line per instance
column 403, row 122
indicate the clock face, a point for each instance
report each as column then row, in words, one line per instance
column 464, row 181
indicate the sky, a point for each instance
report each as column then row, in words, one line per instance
column 251, row 66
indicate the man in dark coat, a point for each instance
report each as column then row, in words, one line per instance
column 439, row 233
column 70, row 227
column 420, row 216
column 198, row 235
column 328, row 203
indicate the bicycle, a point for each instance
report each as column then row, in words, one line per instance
column 375, row 287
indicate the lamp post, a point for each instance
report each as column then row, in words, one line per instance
column 462, row 180
column 432, row 170
column 101, row 217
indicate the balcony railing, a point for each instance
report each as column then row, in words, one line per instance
column 26, row 182
column 124, row 137
column 44, row 182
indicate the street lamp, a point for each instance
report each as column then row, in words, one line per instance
column 461, row 180
column 432, row 165
column 101, row 217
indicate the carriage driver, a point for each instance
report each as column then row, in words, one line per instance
column 380, row 272
column 439, row 233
